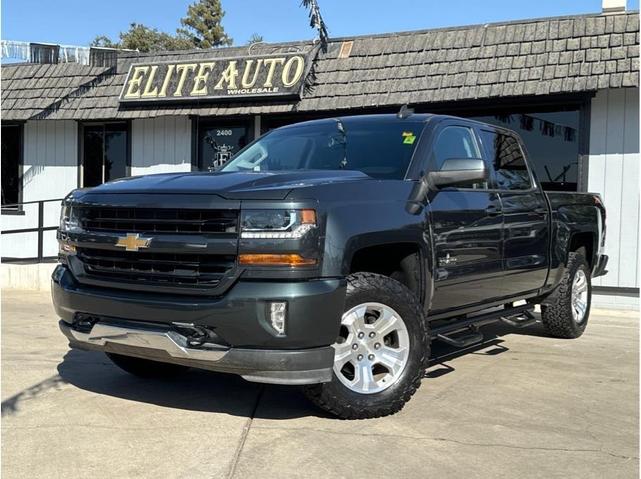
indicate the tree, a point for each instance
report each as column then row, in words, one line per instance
column 255, row 38
column 203, row 29
column 103, row 41
column 202, row 25
column 316, row 21
column 144, row 39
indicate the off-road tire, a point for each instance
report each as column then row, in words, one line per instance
column 556, row 313
column 339, row 400
column 146, row 368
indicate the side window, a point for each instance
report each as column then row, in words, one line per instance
column 507, row 160
column 456, row 142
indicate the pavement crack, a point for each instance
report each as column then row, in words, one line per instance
column 455, row 441
column 241, row 444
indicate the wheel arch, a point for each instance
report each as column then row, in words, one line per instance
column 404, row 261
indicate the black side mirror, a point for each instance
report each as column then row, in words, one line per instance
column 459, row 170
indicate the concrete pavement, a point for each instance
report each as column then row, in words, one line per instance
column 520, row 405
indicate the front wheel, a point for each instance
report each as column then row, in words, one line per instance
column 381, row 352
column 566, row 316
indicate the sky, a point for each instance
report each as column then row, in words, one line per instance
column 77, row 22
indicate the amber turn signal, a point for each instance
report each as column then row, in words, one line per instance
column 275, row 260
column 308, row 217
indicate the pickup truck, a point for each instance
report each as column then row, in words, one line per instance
column 328, row 254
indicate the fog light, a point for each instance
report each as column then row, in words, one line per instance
column 278, row 316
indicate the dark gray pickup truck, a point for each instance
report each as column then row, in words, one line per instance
column 328, row 254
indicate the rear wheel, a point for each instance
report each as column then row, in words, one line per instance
column 566, row 316
column 381, row 352
column 145, row 368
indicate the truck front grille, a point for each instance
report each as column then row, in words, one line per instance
column 156, row 220
column 170, row 269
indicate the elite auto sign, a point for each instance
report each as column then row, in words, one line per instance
column 216, row 78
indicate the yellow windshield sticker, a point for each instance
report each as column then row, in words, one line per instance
column 408, row 138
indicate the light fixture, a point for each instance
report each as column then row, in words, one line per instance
column 278, row 316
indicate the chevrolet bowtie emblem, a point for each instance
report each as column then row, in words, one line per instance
column 133, row 242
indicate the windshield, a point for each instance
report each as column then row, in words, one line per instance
column 380, row 149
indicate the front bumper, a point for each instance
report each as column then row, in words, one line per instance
column 144, row 325
column 309, row 366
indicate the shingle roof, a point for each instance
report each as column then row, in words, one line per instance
column 522, row 58
column 30, row 89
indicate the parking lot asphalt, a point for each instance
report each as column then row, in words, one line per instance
column 519, row 405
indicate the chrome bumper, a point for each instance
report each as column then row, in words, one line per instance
column 306, row 366
column 171, row 342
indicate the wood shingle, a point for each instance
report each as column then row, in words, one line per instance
column 530, row 57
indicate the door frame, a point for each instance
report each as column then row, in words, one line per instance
column 426, row 164
column 198, row 123
column 81, row 147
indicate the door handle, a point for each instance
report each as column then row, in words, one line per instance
column 493, row 210
column 540, row 211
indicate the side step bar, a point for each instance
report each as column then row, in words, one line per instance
column 511, row 316
column 463, row 341
column 522, row 321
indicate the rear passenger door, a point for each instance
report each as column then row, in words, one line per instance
column 466, row 226
column 525, row 213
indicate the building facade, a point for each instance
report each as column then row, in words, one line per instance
column 569, row 86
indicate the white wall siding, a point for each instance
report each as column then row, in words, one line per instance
column 50, row 171
column 613, row 171
column 160, row 145
column 50, row 159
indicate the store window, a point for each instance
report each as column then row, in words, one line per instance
column 218, row 142
column 104, row 153
column 552, row 143
column 11, row 165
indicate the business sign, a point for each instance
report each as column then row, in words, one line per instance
column 241, row 77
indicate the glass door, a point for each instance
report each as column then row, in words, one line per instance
column 105, row 153
column 219, row 142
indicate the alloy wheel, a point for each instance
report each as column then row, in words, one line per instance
column 372, row 349
column 579, row 296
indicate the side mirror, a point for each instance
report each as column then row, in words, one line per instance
column 459, row 170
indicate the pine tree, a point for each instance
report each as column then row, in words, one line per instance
column 202, row 25
column 203, row 30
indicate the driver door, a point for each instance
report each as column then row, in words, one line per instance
column 467, row 227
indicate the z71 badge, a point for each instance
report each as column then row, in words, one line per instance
column 447, row 260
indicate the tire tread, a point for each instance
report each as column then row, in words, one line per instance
column 324, row 399
column 557, row 316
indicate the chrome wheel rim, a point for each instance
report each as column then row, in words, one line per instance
column 579, row 296
column 372, row 349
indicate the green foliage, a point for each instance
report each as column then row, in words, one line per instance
column 203, row 26
column 203, row 29
column 103, row 41
column 255, row 38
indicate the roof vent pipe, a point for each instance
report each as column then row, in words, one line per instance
column 613, row 6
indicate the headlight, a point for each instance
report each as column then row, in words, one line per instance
column 69, row 221
column 282, row 224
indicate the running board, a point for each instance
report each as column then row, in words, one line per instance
column 443, row 333
column 522, row 321
column 473, row 337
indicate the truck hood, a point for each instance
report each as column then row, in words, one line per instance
column 232, row 185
